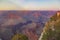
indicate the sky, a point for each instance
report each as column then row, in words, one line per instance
column 29, row 5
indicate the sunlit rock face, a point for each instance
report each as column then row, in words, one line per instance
column 29, row 23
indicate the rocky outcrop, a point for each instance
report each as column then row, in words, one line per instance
column 51, row 30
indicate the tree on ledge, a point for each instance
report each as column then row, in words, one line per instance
column 19, row 37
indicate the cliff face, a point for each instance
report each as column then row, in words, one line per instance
column 29, row 23
column 51, row 30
